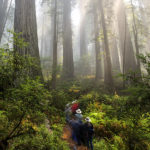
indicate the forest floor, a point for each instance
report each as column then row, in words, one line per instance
column 67, row 137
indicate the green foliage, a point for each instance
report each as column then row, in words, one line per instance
column 140, row 90
column 102, row 144
column 146, row 62
column 21, row 107
column 42, row 140
column 120, row 122
column 17, row 40
column 14, row 69
column 31, row 94
column 24, row 104
column 117, row 124
column 60, row 99
column 83, row 66
column 105, row 144
column 86, row 99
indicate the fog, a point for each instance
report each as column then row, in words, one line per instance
column 112, row 37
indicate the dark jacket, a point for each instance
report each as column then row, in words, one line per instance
column 88, row 129
column 75, row 125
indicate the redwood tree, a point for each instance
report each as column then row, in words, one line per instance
column 108, row 79
column 68, row 66
column 3, row 16
column 54, row 69
column 98, row 74
column 25, row 23
column 127, row 52
column 83, row 42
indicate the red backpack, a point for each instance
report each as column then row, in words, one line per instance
column 74, row 107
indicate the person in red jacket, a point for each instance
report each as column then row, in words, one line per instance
column 74, row 106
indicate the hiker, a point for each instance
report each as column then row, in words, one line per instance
column 75, row 125
column 89, row 131
column 68, row 112
column 74, row 106
column 78, row 115
column 83, row 134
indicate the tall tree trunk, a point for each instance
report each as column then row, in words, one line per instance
column 3, row 16
column 108, row 79
column 83, row 43
column 68, row 66
column 115, row 56
column 25, row 22
column 98, row 63
column 54, row 69
column 135, row 33
column 114, row 50
column 126, row 47
column 42, row 38
column 144, row 7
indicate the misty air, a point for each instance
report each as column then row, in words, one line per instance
column 74, row 75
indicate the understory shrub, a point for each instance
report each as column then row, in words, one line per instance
column 43, row 139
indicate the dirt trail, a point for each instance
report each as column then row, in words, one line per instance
column 67, row 136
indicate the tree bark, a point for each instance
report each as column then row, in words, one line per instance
column 126, row 47
column 83, row 43
column 135, row 33
column 111, row 26
column 98, row 74
column 115, row 56
column 54, row 69
column 25, row 22
column 68, row 66
column 108, row 79
column 3, row 16
column 42, row 38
